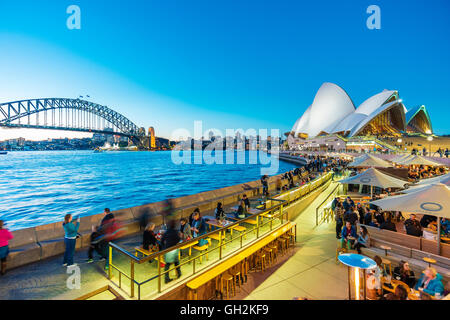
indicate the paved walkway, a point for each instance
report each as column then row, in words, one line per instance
column 311, row 271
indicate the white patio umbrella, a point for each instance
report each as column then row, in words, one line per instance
column 401, row 158
column 369, row 160
column 375, row 178
column 419, row 160
column 433, row 199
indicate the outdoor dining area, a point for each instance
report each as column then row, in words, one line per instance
column 386, row 221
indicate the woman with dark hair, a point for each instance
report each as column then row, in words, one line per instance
column 70, row 238
column 240, row 212
column 363, row 239
column 405, row 274
column 5, row 236
column 185, row 230
column 220, row 214
column 191, row 217
column 149, row 241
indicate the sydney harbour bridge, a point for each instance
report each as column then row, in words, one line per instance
column 70, row 114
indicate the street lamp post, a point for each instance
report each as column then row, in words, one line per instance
column 430, row 138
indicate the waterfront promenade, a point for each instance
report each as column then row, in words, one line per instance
column 310, row 271
column 46, row 279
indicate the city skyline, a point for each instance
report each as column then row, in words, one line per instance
column 252, row 66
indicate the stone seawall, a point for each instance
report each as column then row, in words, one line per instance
column 37, row 243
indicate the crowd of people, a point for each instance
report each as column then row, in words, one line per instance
column 370, row 215
column 350, row 216
column 101, row 235
column 416, row 172
column 441, row 152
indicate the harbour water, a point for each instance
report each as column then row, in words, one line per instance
column 41, row 187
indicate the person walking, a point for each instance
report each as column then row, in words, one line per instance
column 265, row 185
column 70, row 238
column 5, row 236
column 107, row 216
column 94, row 238
column 169, row 239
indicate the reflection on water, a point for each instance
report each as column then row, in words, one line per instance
column 41, row 187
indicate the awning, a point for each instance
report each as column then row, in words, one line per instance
column 375, row 178
column 369, row 160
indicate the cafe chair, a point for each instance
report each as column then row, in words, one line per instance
column 227, row 284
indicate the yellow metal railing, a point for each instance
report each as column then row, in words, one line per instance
column 323, row 212
column 138, row 272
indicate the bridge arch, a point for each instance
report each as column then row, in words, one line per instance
column 67, row 114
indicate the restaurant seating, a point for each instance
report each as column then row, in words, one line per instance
column 236, row 273
column 144, row 252
column 261, row 261
column 240, row 229
column 216, row 237
column 274, row 248
column 282, row 244
column 227, row 284
column 269, row 252
column 200, row 249
column 387, row 263
column 244, row 270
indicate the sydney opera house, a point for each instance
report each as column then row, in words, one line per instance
column 334, row 113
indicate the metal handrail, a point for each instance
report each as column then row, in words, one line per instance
column 207, row 235
column 276, row 209
column 323, row 202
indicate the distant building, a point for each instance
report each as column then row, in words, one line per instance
column 152, row 137
column 381, row 114
column 333, row 122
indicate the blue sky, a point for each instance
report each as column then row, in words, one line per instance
column 232, row 64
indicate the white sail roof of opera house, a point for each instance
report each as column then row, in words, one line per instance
column 333, row 111
column 332, row 101
column 374, row 102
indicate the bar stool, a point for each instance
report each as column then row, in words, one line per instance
column 244, row 270
column 261, row 261
column 274, row 248
column 386, row 249
column 287, row 239
column 282, row 244
column 269, row 252
column 218, row 285
column 291, row 236
column 385, row 263
column 429, row 261
column 236, row 274
column 229, row 285
column 252, row 261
